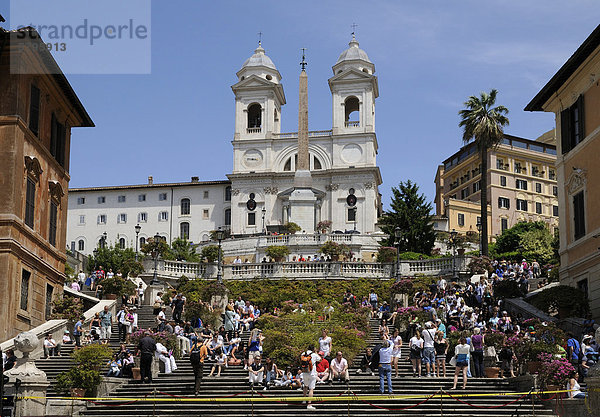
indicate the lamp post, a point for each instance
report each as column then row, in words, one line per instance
column 95, row 259
column 137, row 239
column 453, row 235
column 398, row 237
column 355, row 210
column 264, row 211
column 104, row 236
column 155, row 254
column 479, row 234
column 219, row 235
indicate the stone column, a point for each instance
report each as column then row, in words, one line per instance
column 33, row 381
column 303, row 162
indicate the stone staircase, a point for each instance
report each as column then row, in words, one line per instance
column 234, row 383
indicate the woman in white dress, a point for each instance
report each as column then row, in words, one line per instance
column 325, row 344
column 397, row 351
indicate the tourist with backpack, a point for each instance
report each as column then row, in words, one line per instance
column 308, row 361
column 198, row 353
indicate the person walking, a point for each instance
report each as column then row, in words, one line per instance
column 308, row 361
column 78, row 331
column 416, row 347
column 428, row 353
column 461, row 352
column 385, row 367
column 105, row 324
column 146, row 348
column 397, row 351
column 478, row 343
column 198, row 354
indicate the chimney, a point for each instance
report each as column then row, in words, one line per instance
column 195, row 179
column 150, row 180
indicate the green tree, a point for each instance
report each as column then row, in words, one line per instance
column 411, row 212
column 210, row 253
column 117, row 259
column 484, row 124
column 183, row 250
column 152, row 245
column 532, row 240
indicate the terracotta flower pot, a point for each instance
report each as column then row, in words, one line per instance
column 137, row 375
column 492, row 372
column 110, row 296
column 77, row 392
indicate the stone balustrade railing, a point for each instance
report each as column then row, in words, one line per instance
column 310, row 270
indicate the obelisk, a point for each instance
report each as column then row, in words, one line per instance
column 303, row 199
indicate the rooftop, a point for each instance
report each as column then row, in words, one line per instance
column 192, row 183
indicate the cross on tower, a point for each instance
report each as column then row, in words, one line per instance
column 259, row 37
column 353, row 26
column 303, row 64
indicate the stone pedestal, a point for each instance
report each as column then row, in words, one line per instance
column 151, row 292
column 302, row 202
column 593, row 385
column 32, row 381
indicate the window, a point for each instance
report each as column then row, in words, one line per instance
column 227, row 217
column 254, row 118
column 464, row 193
column 579, row 215
column 102, row 219
column 228, row 193
column 142, row 217
column 583, row 287
column 162, row 197
column 521, row 205
column 163, row 216
column 504, row 224
column 122, row 218
column 122, row 243
column 555, row 211
column 205, row 214
column 25, row 275
column 142, row 241
column 500, row 164
column 80, row 200
column 52, row 223
column 205, row 194
column 521, row 184
column 352, row 214
column 554, row 190
column 101, row 199
column 184, row 230
column 251, row 219
column 80, row 245
column 552, row 174
column 34, row 110
column 317, row 163
column 503, row 202
column 185, row 206
column 502, row 180
column 538, row 208
column 476, row 186
column 141, row 197
column 49, row 291
column 352, row 112
column 538, row 187
column 81, row 219
column 121, row 199
column 30, row 203
column 58, row 138
column 461, row 219
column 572, row 125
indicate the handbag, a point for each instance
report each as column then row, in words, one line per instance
column 453, row 360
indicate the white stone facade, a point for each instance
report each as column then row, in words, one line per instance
column 342, row 161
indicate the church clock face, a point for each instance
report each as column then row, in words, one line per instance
column 352, row 153
column 252, row 158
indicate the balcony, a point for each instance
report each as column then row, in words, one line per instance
column 352, row 124
column 537, row 173
column 251, row 130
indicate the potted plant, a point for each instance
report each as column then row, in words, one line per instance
column 292, row 228
column 324, row 226
column 553, row 373
column 85, row 376
column 117, row 286
column 493, row 343
column 69, row 308
column 334, row 249
column 278, row 252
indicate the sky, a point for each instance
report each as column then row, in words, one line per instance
column 177, row 120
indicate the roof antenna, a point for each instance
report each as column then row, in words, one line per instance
column 259, row 38
column 353, row 26
column 303, row 64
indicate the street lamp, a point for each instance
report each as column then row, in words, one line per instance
column 137, row 235
column 398, row 237
column 155, row 253
column 103, row 238
column 479, row 234
column 453, row 235
column 264, row 211
column 95, row 258
column 219, row 235
column 355, row 210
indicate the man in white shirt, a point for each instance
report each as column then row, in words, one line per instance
column 308, row 360
column 442, row 284
column 428, row 348
column 51, row 348
column 81, row 278
column 339, row 368
column 184, row 342
column 140, row 294
column 163, row 354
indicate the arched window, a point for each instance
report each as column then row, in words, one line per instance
column 288, row 164
column 228, row 193
column 352, row 114
column 80, row 245
column 317, row 163
column 205, row 237
column 142, row 241
column 185, row 206
column 184, row 230
column 254, row 117
column 227, row 217
column 122, row 243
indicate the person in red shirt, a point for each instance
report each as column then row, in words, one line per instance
column 322, row 369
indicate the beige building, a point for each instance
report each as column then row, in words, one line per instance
column 38, row 108
column 521, row 185
column 573, row 95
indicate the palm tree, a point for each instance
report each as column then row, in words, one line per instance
column 484, row 124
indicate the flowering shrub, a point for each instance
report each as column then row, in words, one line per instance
column 324, row 226
column 403, row 286
column 480, row 264
column 69, row 308
column 167, row 339
column 334, row 249
column 386, row 254
column 554, row 371
column 494, row 338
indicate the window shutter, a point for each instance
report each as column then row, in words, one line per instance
column 53, row 136
column 565, row 130
column 34, row 110
column 581, row 118
column 499, row 202
column 508, row 203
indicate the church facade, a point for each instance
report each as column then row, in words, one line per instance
column 260, row 192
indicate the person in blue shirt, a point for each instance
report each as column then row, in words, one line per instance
column 573, row 349
column 441, row 327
